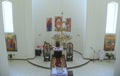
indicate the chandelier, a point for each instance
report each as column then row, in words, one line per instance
column 62, row 35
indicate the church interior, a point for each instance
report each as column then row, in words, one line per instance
column 59, row 37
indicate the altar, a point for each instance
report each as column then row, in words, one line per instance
column 58, row 62
column 59, row 72
column 58, row 66
column 57, row 51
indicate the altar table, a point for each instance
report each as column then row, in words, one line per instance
column 59, row 72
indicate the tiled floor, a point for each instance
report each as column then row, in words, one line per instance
column 23, row 68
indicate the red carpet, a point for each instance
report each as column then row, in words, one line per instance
column 58, row 62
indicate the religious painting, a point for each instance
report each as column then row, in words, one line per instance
column 109, row 43
column 11, row 43
column 58, row 21
column 68, row 24
column 69, row 48
column 49, row 24
column 46, row 49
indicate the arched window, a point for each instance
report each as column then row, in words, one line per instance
column 7, row 16
column 111, row 22
column 112, row 10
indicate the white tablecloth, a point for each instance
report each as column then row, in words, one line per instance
column 57, row 48
column 59, row 72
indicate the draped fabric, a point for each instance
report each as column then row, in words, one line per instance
column 58, row 62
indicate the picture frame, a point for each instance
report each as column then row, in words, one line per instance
column 109, row 42
column 49, row 24
column 58, row 21
column 11, row 42
column 68, row 24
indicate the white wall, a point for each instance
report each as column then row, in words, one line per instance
column 95, row 26
column 30, row 37
column 4, row 68
column 23, row 28
column 76, row 10
column 117, row 64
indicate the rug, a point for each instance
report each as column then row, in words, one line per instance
column 58, row 62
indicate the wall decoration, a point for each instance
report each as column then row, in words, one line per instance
column 109, row 43
column 68, row 24
column 49, row 24
column 58, row 21
column 63, row 28
column 11, row 43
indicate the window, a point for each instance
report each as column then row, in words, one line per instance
column 112, row 9
column 7, row 16
column 109, row 42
